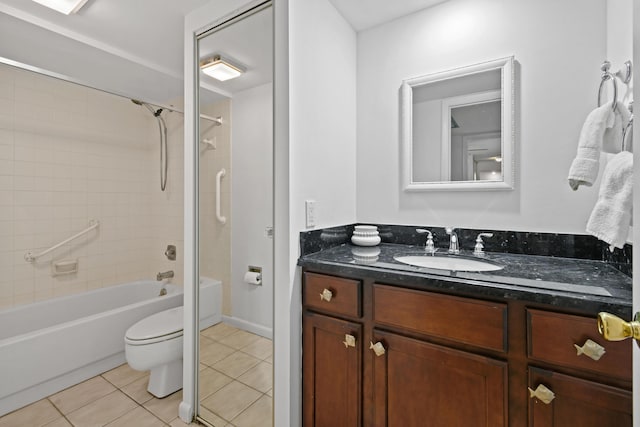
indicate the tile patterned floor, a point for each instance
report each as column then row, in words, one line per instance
column 235, row 391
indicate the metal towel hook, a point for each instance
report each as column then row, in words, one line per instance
column 624, row 74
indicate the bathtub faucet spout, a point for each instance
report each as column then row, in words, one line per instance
column 165, row 275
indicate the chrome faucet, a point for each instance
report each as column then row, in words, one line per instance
column 454, row 248
column 164, row 275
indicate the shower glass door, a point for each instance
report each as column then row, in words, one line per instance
column 235, row 209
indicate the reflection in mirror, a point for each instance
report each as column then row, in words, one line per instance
column 456, row 128
column 235, row 214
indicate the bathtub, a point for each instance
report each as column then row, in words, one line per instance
column 50, row 345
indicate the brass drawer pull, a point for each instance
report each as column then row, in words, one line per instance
column 542, row 393
column 378, row 348
column 349, row 341
column 326, row 295
column 590, row 349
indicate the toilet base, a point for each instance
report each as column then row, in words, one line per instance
column 166, row 379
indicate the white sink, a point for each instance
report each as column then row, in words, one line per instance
column 452, row 263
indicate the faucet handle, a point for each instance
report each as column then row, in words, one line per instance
column 424, row 231
column 429, row 246
column 478, row 250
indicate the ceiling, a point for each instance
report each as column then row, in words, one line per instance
column 150, row 33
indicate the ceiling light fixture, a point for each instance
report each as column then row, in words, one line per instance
column 63, row 6
column 221, row 69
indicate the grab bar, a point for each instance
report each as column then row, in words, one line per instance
column 30, row 257
column 219, row 176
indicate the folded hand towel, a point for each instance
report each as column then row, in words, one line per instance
column 584, row 169
column 611, row 216
column 612, row 140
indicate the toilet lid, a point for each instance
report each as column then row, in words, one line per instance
column 157, row 327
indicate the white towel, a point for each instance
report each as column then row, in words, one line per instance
column 612, row 140
column 611, row 216
column 584, row 168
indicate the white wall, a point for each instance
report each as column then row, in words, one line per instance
column 252, row 205
column 322, row 155
column 558, row 46
column 38, row 47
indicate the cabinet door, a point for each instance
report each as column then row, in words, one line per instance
column 331, row 371
column 577, row 402
column 422, row 384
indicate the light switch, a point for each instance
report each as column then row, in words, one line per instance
column 310, row 209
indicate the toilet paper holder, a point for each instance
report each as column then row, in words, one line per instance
column 253, row 275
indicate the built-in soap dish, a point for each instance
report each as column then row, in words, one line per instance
column 64, row 267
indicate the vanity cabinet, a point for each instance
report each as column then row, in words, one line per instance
column 553, row 340
column 379, row 354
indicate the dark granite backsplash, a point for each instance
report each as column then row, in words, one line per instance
column 512, row 242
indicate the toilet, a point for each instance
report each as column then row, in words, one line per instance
column 155, row 344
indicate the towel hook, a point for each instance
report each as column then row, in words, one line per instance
column 606, row 75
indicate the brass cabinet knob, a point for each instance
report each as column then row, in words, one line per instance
column 590, row 349
column 326, row 295
column 613, row 328
column 378, row 348
column 542, row 393
column 349, row 341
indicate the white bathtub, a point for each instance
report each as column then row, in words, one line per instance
column 48, row 346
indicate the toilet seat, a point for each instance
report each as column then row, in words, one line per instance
column 162, row 326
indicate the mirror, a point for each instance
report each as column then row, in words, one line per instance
column 457, row 131
column 235, row 204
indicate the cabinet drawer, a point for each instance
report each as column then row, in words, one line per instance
column 551, row 337
column 345, row 294
column 469, row 321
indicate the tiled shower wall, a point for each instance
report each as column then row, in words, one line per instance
column 69, row 154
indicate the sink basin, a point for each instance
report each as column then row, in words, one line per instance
column 452, row 263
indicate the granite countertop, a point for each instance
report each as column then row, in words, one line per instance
column 585, row 285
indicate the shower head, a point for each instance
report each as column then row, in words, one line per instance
column 156, row 113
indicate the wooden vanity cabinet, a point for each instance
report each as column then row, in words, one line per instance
column 423, row 358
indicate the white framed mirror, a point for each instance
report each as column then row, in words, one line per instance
column 457, row 128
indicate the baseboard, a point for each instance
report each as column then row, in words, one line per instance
column 263, row 331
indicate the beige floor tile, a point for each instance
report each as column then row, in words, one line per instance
column 139, row 417
column 231, row 400
column 79, row 395
column 35, row 415
column 269, row 359
column 103, row 410
column 270, row 393
column 236, row 364
column 137, row 390
column 212, row 418
column 212, row 351
column 166, row 408
column 179, row 423
column 256, row 415
column 60, row 422
column 219, row 331
column 240, row 339
column 211, row 381
column 123, row 375
column 261, row 348
column 259, row 377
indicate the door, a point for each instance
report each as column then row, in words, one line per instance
column 417, row 384
column 577, row 402
column 331, row 366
